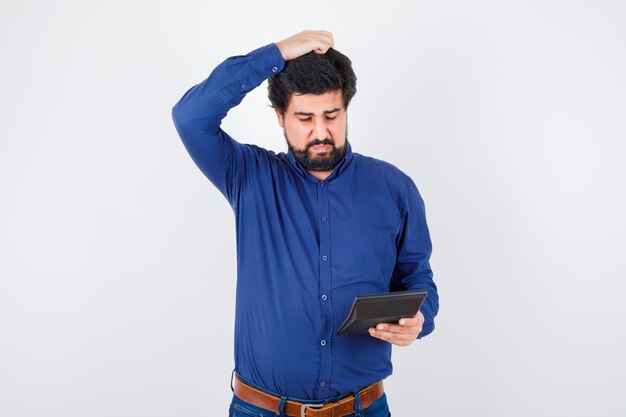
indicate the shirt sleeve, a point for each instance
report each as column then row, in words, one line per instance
column 412, row 270
column 197, row 116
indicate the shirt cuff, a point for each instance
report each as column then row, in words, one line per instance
column 429, row 324
column 269, row 59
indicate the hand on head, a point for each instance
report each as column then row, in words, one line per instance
column 304, row 42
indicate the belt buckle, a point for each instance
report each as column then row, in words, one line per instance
column 306, row 406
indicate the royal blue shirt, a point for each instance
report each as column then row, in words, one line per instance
column 305, row 247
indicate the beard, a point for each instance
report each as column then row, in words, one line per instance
column 313, row 161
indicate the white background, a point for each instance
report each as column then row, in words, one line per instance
column 117, row 256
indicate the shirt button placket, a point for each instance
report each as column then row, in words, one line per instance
column 324, row 288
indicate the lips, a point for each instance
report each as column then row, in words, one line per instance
column 321, row 148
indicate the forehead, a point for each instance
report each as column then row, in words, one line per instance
column 315, row 103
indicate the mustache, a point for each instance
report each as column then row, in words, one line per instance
column 320, row 142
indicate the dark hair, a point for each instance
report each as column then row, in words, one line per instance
column 313, row 73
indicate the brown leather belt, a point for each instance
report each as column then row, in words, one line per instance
column 340, row 408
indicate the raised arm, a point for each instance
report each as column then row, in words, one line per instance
column 198, row 115
column 228, row 164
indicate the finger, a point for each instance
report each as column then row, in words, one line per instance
column 329, row 39
column 325, row 34
column 323, row 46
column 409, row 332
column 397, row 328
column 322, row 49
column 394, row 338
column 324, row 40
column 411, row 321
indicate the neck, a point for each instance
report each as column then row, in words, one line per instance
column 320, row 175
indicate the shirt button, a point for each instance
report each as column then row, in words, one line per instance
column 324, row 297
column 243, row 85
column 322, row 183
column 274, row 69
column 324, row 257
column 323, row 218
column 322, row 384
column 323, row 343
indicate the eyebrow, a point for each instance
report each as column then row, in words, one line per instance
column 302, row 113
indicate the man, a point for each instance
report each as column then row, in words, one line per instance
column 315, row 227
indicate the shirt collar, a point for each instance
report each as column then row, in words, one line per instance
column 339, row 168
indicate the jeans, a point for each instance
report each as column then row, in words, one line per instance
column 240, row 408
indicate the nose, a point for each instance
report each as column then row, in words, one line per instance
column 320, row 130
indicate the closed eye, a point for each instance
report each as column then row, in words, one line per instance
column 308, row 119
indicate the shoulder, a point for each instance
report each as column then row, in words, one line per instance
column 260, row 153
column 399, row 185
column 267, row 160
column 260, row 150
column 384, row 170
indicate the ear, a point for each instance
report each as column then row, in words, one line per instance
column 281, row 120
